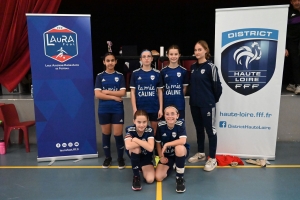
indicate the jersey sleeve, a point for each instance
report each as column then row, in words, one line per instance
column 186, row 78
column 150, row 132
column 182, row 130
column 217, row 87
column 127, row 133
column 98, row 83
column 132, row 80
column 163, row 77
column 122, row 83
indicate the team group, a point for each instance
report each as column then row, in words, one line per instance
column 158, row 97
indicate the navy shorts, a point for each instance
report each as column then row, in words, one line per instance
column 181, row 114
column 111, row 118
column 153, row 117
column 144, row 159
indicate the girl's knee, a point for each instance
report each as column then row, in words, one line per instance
column 149, row 179
column 180, row 150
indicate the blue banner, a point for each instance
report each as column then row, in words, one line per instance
column 63, row 88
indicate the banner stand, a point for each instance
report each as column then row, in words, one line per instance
column 249, row 52
column 63, row 87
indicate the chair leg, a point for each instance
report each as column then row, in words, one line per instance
column 21, row 132
column 26, row 139
column 7, row 137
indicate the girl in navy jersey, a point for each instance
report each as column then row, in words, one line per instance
column 205, row 92
column 109, row 89
column 175, row 81
column 139, row 143
column 170, row 144
column 146, row 89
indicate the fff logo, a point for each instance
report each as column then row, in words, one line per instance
column 60, row 43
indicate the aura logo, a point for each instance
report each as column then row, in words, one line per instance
column 248, row 58
column 222, row 124
column 60, row 43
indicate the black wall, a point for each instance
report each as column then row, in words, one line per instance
column 152, row 23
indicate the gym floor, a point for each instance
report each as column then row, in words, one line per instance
column 22, row 177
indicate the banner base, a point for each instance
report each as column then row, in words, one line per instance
column 73, row 157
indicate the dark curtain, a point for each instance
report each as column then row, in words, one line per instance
column 14, row 49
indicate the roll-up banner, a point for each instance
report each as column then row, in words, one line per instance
column 63, row 88
column 249, row 51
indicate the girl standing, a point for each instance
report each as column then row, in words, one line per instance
column 170, row 144
column 146, row 89
column 109, row 89
column 139, row 142
column 205, row 92
column 175, row 81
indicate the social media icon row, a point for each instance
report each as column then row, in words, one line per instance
column 70, row 144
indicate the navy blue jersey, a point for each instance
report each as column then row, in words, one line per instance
column 164, row 134
column 113, row 82
column 130, row 132
column 205, row 85
column 145, row 84
column 173, row 80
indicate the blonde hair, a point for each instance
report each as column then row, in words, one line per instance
column 204, row 44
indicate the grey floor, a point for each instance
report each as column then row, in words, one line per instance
column 22, row 177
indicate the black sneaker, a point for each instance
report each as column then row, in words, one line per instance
column 136, row 183
column 180, row 187
column 106, row 162
column 121, row 163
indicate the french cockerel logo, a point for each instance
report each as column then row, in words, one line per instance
column 250, row 53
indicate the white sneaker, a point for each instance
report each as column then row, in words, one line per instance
column 197, row 157
column 210, row 164
column 291, row 88
column 297, row 90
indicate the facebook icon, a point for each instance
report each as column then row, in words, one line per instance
column 222, row 124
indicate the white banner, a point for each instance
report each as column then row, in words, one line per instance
column 249, row 51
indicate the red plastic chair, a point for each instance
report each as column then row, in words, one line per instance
column 1, row 118
column 187, row 64
column 11, row 121
column 161, row 65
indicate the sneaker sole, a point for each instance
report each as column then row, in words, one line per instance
column 136, row 189
column 209, row 170
column 105, row 167
column 296, row 93
column 194, row 161
column 291, row 90
column 180, row 191
column 121, row 167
